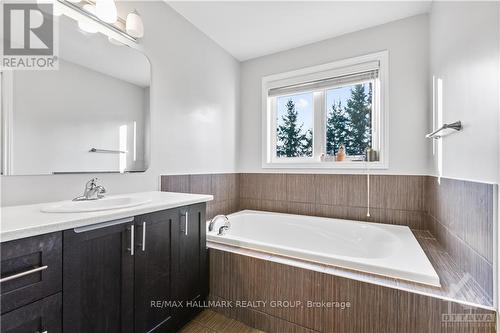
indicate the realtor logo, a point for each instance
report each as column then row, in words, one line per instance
column 28, row 36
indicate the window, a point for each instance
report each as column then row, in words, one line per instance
column 327, row 116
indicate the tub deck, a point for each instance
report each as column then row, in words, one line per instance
column 373, row 248
column 456, row 285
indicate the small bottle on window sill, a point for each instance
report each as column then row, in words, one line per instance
column 371, row 155
column 340, row 156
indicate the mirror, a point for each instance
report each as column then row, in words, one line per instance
column 91, row 115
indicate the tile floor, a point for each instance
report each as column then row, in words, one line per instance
column 209, row 321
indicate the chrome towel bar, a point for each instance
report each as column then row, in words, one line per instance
column 457, row 126
column 95, row 150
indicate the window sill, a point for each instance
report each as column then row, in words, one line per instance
column 326, row 165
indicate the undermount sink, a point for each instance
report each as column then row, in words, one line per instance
column 94, row 205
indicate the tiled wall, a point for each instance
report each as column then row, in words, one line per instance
column 393, row 199
column 224, row 188
column 458, row 213
column 461, row 217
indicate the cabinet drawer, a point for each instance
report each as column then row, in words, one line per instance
column 30, row 270
column 41, row 316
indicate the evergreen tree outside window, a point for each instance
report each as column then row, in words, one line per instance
column 349, row 118
column 295, row 126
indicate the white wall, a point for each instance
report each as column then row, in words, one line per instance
column 407, row 43
column 464, row 55
column 194, row 100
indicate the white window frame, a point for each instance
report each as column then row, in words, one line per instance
column 380, row 119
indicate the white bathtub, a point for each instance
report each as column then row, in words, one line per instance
column 388, row 250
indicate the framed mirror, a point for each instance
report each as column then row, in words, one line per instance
column 91, row 115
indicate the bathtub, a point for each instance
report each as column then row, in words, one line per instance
column 381, row 249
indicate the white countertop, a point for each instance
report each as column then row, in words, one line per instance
column 28, row 220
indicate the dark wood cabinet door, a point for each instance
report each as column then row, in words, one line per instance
column 189, row 259
column 98, row 278
column 152, row 271
column 30, row 270
column 40, row 316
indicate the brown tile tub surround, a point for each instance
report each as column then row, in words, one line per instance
column 393, row 199
column 458, row 213
column 372, row 308
column 461, row 217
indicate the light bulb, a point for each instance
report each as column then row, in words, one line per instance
column 134, row 26
column 106, row 10
column 85, row 24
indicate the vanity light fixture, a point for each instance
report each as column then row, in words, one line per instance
column 134, row 25
column 106, row 10
column 104, row 14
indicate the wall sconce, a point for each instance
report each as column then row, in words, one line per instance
column 134, row 25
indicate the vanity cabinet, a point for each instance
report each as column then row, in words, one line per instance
column 119, row 276
column 30, row 284
column 189, row 260
column 30, row 270
column 43, row 316
column 153, row 270
column 98, row 278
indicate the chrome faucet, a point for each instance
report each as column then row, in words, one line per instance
column 224, row 228
column 92, row 191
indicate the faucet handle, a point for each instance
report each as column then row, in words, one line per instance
column 100, row 191
column 91, row 183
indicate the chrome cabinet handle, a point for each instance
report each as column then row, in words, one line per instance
column 143, row 236
column 186, row 224
column 28, row 272
column 132, row 234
